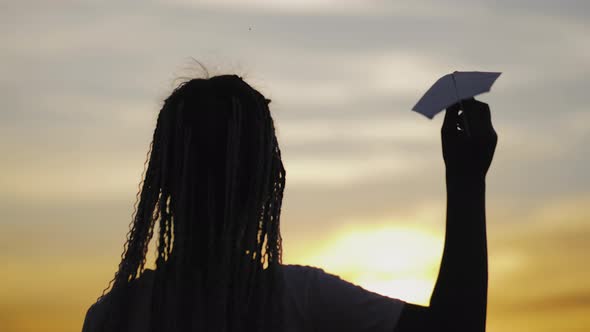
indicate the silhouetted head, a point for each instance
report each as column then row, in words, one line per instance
column 219, row 154
column 212, row 192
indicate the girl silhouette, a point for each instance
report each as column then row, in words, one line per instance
column 212, row 195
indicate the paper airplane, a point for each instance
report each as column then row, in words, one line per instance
column 452, row 88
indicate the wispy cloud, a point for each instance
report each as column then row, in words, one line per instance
column 82, row 83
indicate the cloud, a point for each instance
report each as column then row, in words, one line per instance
column 317, row 7
column 82, row 83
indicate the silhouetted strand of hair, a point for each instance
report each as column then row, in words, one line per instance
column 212, row 191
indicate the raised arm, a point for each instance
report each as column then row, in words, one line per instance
column 459, row 299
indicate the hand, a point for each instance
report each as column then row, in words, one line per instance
column 468, row 139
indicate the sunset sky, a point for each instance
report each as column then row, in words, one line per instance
column 81, row 83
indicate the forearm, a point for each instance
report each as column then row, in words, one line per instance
column 460, row 294
column 459, row 299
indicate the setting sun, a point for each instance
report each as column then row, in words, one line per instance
column 83, row 83
column 399, row 262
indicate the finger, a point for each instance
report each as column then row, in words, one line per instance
column 477, row 115
column 451, row 117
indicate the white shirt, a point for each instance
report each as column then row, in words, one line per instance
column 319, row 301
column 314, row 301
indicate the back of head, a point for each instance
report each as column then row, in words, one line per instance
column 221, row 155
column 212, row 193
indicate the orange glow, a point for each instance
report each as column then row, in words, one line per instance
column 399, row 262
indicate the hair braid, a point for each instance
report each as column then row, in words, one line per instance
column 218, row 220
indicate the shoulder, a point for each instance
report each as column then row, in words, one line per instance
column 301, row 275
column 335, row 303
column 314, row 276
column 299, row 281
column 97, row 311
column 94, row 315
column 296, row 270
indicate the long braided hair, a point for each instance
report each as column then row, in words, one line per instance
column 212, row 192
